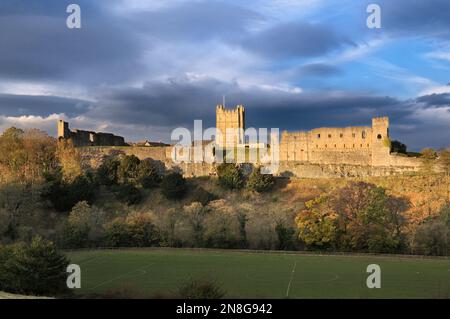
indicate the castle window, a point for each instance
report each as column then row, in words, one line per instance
column 361, row 145
column 363, row 134
column 353, row 145
column 367, row 145
column 344, row 145
column 335, row 145
column 325, row 145
column 353, row 135
column 329, row 135
column 318, row 135
column 341, row 135
column 379, row 136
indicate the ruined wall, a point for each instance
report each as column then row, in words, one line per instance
column 230, row 119
column 82, row 138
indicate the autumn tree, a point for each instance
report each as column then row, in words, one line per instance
column 359, row 217
column 26, row 155
column 69, row 158
column 444, row 162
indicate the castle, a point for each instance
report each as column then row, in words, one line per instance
column 88, row 138
column 353, row 151
column 354, row 145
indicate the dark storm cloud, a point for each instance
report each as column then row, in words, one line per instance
column 196, row 21
column 176, row 102
column 416, row 17
column 17, row 105
column 39, row 46
column 318, row 69
column 290, row 40
column 434, row 100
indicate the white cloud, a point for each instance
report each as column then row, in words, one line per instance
column 440, row 55
column 435, row 90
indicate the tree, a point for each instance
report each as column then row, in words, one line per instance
column 432, row 236
column 148, row 174
column 128, row 170
column 87, row 219
column 317, row 227
column 137, row 230
column 34, row 269
column 17, row 201
column 26, row 155
column 195, row 215
column 64, row 194
column 173, row 186
column 260, row 182
column 285, row 236
column 107, row 172
column 128, row 193
column 359, row 217
column 69, row 159
column 444, row 162
column 398, row 147
column 230, row 176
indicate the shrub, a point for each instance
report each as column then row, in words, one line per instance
column 200, row 195
column 34, row 269
column 173, row 186
column 107, row 172
column 230, row 176
column 260, row 182
column 200, row 289
column 148, row 174
column 128, row 194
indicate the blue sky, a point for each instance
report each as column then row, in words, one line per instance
column 141, row 68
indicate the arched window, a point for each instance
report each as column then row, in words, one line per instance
column 318, row 135
column 363, row 134
column 379, row 136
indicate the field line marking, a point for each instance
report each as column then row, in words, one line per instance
column 290, row 281
column 121, row 276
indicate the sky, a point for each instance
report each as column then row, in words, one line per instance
column 141, row 68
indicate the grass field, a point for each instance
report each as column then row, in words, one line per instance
column 262, row 275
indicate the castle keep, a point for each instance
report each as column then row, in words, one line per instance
column 88, row 138
column 231, row 125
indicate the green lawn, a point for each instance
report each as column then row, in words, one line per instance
column 261, row 275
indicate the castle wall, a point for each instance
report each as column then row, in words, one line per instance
column 82, row 138
column 355, row 145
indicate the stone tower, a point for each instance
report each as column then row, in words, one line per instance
column 380, row 141
column 231, row 125
column 63, row 130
